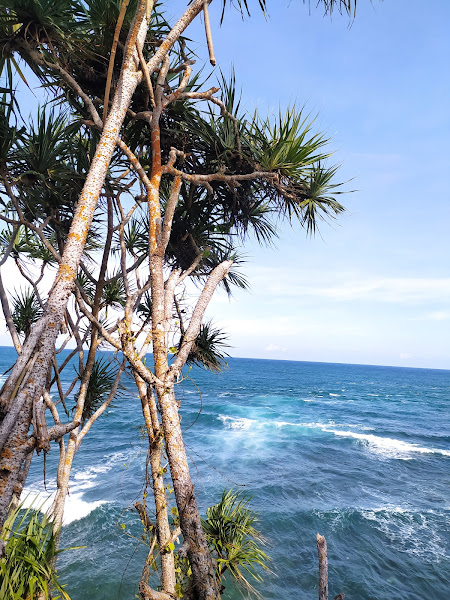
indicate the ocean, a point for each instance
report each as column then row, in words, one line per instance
column 358, row 453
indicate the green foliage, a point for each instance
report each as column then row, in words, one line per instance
column 208, row 349
column 9, row 134
column 136, row 237
column 27, row 571
column 100, row 383
column 234, row 541
column 26, row 311
column 114, row 293
column 288, row 145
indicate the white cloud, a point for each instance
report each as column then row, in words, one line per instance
column 344, row 286
column 275, row 348
column 440, row 315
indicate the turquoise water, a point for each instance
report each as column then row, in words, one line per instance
column 359, row 453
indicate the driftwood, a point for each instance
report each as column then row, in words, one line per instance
column 323, row 569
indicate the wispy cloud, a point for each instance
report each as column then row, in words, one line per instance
column 439, row 315
column 351, row 286
column 275, row 348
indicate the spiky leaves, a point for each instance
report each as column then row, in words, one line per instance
column 26, row 311
column 27, row 567
column 208, row 349
column 102, row 378
column 235, row 542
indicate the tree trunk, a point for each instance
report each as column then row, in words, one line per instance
column 202, row 565
column 323, row 567
column 164, row 533
column 13, row 457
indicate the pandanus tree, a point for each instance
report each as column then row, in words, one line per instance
column 138, row 187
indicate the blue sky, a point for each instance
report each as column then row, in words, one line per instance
column 373, row 288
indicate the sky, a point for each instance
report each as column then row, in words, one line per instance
column 374, row 287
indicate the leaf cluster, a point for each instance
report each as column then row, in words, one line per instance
column 233, row 539
column 26, row 311
column 208, row 349
column 100, row 383
column 27, row 569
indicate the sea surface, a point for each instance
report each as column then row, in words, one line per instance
column 358, row 453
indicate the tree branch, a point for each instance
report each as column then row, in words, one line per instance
column 193, row 328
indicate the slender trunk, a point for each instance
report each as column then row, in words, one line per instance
column 69, row 454
column 46, row 330
column 14, row 455
column 323, row 567
column 203, row 571
column 164, row 533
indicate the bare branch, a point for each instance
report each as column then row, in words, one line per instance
column 193, row 328
column 212, row 58
column 148, row 81
column 112, row 56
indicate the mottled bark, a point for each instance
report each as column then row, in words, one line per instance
column 323, row 567
column 46, row 330
column 163, row 531
column 202, row 565
column 203, row 570
column 13, row 457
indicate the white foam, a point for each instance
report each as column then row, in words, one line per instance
column 236, row 423
column 383, row 446
column 75, row 508
column 414, row 533
column 350, row 425
column 388, row 447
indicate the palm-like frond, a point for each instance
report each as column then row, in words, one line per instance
column 114, row 294
column 319, row 201
column 9, row 134
column 242, row 6
column 208, row 349
column 101, row 381
column 48, row 22
column 42, row 153
column 287, row 146
column 144, row 308
column 26, row 311
column 27, row 568
column 135, row 237
column 342, row 6
column 86, row 284
column 235, row 542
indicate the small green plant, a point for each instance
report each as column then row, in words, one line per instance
column 234, row 542
column 26, row 570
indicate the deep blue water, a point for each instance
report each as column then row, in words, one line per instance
column 360, row 454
